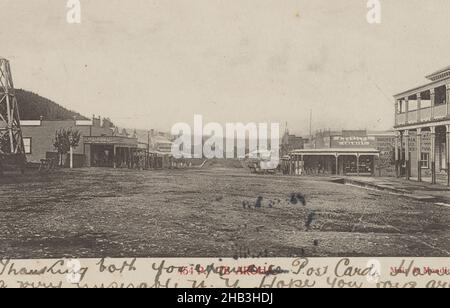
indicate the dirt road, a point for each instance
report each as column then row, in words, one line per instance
column 210, row 213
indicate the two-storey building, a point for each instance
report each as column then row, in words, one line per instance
column 422, row 125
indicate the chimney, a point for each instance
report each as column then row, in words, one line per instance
column 95, row 121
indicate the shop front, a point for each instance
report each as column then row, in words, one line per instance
column 349, row 162
column 110, row 151
column 422, row 125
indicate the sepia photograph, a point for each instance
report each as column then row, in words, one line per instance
column 250, row 129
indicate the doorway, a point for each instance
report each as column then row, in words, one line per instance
column 102, row 156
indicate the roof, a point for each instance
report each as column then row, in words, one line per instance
column 161, row 140
column 111, row 140
column 443, row 70
column 160, row 153
column 436, row 77
column 381, row 133
column 334, row 151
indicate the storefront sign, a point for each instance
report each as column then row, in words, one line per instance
column 112, row 140
column 354, row 141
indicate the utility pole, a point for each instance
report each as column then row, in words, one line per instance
column 148, row 150
column 12, row 149
column 310, row 126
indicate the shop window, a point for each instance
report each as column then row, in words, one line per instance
column 425, row 160
column 27, row 145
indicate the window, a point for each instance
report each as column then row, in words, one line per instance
column 440, row 95
column 401, row 106
column 425, row 99
column 413, row 103
column 27, row 144
column 425, row 160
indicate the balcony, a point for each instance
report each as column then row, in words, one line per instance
column 424, row 104
column 440, row 112
column 413, row 117
column 423, row 115
column 401, row 119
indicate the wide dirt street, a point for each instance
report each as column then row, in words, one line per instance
column 210, row 213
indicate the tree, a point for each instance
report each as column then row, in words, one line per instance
column 66, row 140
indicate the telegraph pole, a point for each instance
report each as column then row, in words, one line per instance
column 148, row 150
column 310, row 126
column 12, row 150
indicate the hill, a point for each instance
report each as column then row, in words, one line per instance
column 32, row 106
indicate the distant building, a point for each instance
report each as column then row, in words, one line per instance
column 290, row 143
column 160, row 143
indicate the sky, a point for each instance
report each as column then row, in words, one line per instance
column 153, row 63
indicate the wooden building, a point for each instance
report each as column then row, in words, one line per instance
column 422, row 125
column 352, row 153
column 100, row 144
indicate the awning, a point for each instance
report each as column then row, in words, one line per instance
column 111, row 140
column 160, row 153
column 336, row 152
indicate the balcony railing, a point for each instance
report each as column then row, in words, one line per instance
column 413, row 117
column 440, row 111
column 401, row 119
column 422, row 115
column 425, row 115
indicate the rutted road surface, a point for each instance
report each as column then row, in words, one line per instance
column 210, row 213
